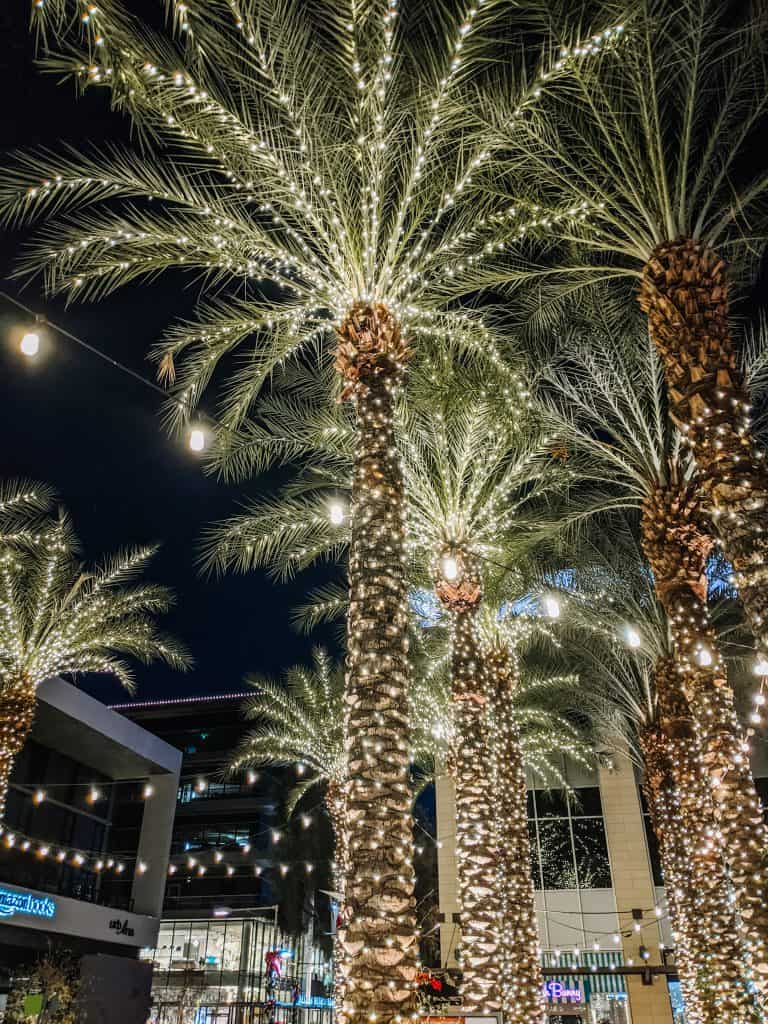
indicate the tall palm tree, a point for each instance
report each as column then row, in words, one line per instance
column 307, row 157
column 655, row 147
column 470, row 476
column 639, row 698
column 60, row 617
column 608, row 407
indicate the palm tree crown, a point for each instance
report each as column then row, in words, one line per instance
column 62, row 617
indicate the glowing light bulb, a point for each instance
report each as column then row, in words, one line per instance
column 30, row 344
column 197, row 439
column 760, row 667
column 552, row 607
column 336, row 513
column 450, row 567
column 39, row 796
column 148, row 791
column 704, row 657
column 632, row 637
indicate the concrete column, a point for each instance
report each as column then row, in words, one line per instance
column 447, row 871
column 155, row 844
column 633, row 886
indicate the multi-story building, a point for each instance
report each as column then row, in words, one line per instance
column 607, row 944
column 67, row 880
column 240, row 885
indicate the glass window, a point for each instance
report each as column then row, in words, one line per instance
column 557, row 865
column 586, row 802
column 551, row 803
column 535, row 865
column 592, row 864
column 653, row 851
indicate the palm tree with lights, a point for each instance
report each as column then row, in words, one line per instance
column 307, row 162
column 637, row 690
column 606, row 398
column 61, row 617
column 470, row 476
column 655, row 147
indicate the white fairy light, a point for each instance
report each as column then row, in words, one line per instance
column 551, row 607
column 30, row 344
column 336, row 513
column 450, row 567
column 632, row 637
column 197, row 439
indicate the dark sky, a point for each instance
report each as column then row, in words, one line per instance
column 95, row 434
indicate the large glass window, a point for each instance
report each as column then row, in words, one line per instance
column 568, row 845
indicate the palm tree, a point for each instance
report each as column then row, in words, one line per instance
column 305, row 155
column 639, row 697
column 608, row 407
column 655, row 148
column 471, row 475
column 60, row 617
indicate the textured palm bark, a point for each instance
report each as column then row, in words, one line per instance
column 476, row 840
column 337, row 810
column 718, row 957
column 684, row 293
column 379, row 936
column 662, row 801
column 677, row 549
column 522, row 980
column 17, row 715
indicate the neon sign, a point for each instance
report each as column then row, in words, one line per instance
column 25, row 903
column 557, row 990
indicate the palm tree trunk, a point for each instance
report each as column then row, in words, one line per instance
column 379, row 938
column 337, row 812
column 522, row 980
column 17, row 715
column 476, row 840
column 677, row 552
column 718, row 961
column 661, row 797
column 684, row 293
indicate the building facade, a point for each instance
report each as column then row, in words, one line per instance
column 242, row 884
column 67, row 879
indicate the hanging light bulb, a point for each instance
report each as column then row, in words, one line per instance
column 197, row 439
column 632, row 637
column 336, row 513
column 30, row 344
column 450, row 567
column 552, row 607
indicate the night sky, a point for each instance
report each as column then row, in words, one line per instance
column 93, row 433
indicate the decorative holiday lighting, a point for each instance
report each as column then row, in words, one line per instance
column 450, row 568
column 197, row 439
column 336, row 513
column 760, row 668
column 551, row 607
column 632, row 637
column 38, row 796
column 30, row 344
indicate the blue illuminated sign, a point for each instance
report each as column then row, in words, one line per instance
column 26, row 903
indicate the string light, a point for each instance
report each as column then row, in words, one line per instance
column 30, row 344
column 197, row 439
column 336, row 513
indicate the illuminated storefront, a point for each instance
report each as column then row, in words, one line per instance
column 216, row 963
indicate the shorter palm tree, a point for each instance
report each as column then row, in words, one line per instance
column 59, row 617
column 300, row 720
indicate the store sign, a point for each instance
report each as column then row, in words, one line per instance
column 557, row 990
column 12, row 903
column 121, row 927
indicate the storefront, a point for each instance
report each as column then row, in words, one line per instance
column 213, row 964
column 577, row 997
